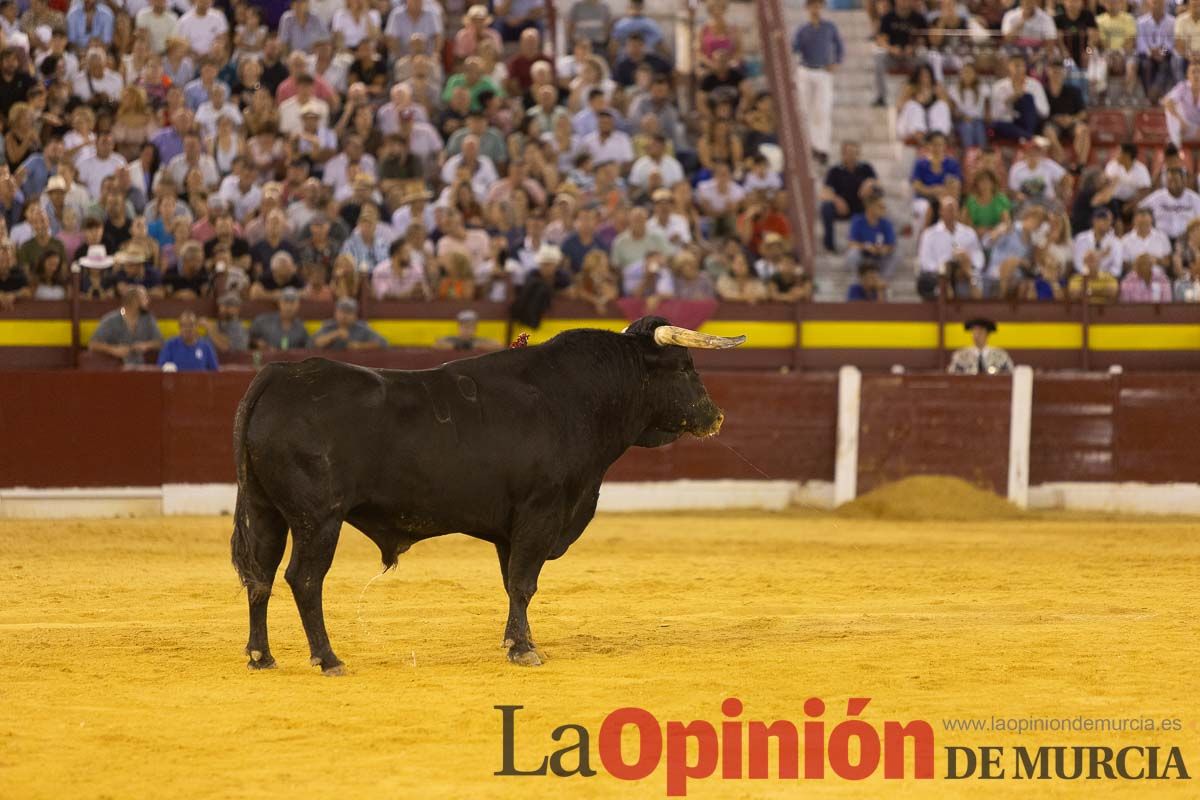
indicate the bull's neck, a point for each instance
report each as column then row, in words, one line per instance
column 607, row 381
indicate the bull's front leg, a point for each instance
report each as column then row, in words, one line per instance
column 524, row 566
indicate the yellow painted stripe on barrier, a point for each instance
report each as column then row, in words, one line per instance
column 869, row 335
column 424, row 332
column 35, row 333
column 1024, row 336
column 1144, row 337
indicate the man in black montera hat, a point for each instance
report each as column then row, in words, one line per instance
column 979, row 359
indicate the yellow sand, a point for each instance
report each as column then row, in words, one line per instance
column 121, row 673
column 925, row 497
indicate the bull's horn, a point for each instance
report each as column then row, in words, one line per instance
column 670, row 334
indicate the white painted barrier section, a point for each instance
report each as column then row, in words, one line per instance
column 845, row 471
column 682, row 495
column 1018, row 437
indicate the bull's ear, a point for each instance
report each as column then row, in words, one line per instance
column 645, row 326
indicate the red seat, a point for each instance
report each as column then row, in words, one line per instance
column 1150, row 128
column 1109, row 127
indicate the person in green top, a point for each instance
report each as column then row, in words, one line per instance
column 476, row 82
column 987, row 210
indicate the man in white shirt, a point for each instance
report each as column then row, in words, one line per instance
column 720, row 195
column 606, row 143
column 1035, row 176
column 337, row 169
column 202, row 26
column 215, row 107
column 673, row 227
column 1098, row 250
column 1028, row 23
column 99, row 165
column 240, row 190
column 1130, row 177
column 192, row 157
column 1018, row 105
column 1145, row 239
column 1175, row 206
column 304, row 101
column 159, row 23
column 656, row 160
column 97, row 79
column 481, row 168
column 952, row 249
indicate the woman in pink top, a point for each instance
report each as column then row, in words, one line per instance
column 716, row 35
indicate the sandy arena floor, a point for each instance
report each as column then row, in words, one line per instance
column 123, row 676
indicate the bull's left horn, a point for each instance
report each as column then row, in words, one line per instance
column 670, row 334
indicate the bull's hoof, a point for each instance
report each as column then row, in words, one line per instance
column 529, row 658
column 335, row 670
column 260, row 660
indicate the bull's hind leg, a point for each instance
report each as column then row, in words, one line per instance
column 259, row 539
column 504, row 553
column 312, row 553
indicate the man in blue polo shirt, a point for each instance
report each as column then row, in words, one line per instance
column 872, row 238
column 187, row 351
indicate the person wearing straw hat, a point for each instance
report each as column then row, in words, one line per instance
column 979, row 358
column 476, row 27
column 129, row 332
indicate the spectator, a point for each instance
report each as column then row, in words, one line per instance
column 1014, row 253
column 202, row 27
column 980, row 358
column 934, row 176
column 188, row 280
column 923, row 108
column 871, row 287
column 1028, row 25
column 1187, row 265
column 952, row 249
column 656, row 162
column 1018, row 105
column 899, row 36
column 789, row 283
column 346, row 331
column 1145, row 283
column 1145, row 239
column 227, row 333
column 281, row 276
column 1182, row 106
column 636, row 55
column 1118, row 43
column 1098, row 250
column 1175, row 206
column 282, row 329
column 188, row 352
column 29, row 254
column 89, row 20
column 1157, row 62
column 969, row 99
column 595, row 282
column 540, row 286
column 14, row 282
column 720, row 198
column 872, row 238
column 690, row 282
column 635, row 21
column 401, row 277
column 842, row 193
column 300, row 29
column 1130, row 178
column 129, row 332
column 159, row 23
column 739, row 284
column 1067, row 125
column 466, row 338
column 638, row 241
column 582, row 240
column 818, row 45
column 988, row 210
column 1036, row 177
column 1077, row 32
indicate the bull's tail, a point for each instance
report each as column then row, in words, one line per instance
column 242, row 543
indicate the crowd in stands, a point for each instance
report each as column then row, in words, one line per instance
column 1012, row 198
column 408, row 150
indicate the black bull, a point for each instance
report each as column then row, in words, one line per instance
column 509, row 447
